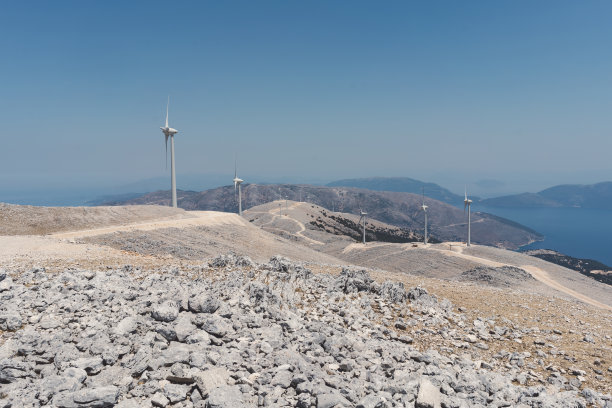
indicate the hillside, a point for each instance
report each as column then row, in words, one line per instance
column 596, row 196
column 317, row 228
column 309, row 223
column 446, row 222
column 588, row 267
column 401, row 185
column 144, row 309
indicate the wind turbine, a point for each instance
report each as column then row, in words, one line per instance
column 362, row 218
column 237, row 183
column 424, row 207
column 468, row 203
column 280, row 203
column 169, row 133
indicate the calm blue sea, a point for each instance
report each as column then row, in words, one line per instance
column 578, row 232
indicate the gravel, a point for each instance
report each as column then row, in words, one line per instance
column 247, row 335
column 505, row 276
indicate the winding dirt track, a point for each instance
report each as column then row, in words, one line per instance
column 300, row 224
column 545, row 278
column 536, row 272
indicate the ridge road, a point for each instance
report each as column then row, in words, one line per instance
column 536, row 272
column 300, row 224
column 200, row 218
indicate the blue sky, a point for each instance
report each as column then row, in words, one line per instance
column 445, row 91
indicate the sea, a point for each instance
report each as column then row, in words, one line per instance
column 577, row 232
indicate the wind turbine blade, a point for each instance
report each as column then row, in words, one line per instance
column 235, row 167
column 167, row 107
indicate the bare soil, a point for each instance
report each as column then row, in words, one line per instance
column 30, row 220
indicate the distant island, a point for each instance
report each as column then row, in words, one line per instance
column 593, row 196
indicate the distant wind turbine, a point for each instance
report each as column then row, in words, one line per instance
column 362, row 218
column 468, row 203
column 424, row 207
column 237, row 183
column 169, row 133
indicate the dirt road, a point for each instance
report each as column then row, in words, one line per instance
column 199, row 218
column 536, row 272
column 274, row 213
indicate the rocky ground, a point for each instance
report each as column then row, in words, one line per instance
column 232, row 333
column 504, row 276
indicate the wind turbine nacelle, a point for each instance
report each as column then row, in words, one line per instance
column 168, row 131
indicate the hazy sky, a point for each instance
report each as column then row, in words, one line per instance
column 445, row 91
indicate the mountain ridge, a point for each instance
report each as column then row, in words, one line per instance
column 446, row 222
column 401, row 185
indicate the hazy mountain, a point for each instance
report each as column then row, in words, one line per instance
column 402, row 185
column 446, row 222
column 569, row 195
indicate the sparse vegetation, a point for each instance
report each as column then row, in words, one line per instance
column 588, row 267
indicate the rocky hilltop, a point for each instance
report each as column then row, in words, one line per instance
column 237, row 334
column 139, row 309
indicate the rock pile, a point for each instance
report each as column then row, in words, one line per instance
column 239, row 335
column 503, row 276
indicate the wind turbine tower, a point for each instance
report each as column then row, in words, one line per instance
column 362, row 219
column 424, row 207
column 237, row 183
column 169, row 133
column 468, row 203
column 280, row 202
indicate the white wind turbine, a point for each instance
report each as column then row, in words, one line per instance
column 362, row 218
column 468, row 203
column 424, row 207
column 237, row 183
column 169, row 133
